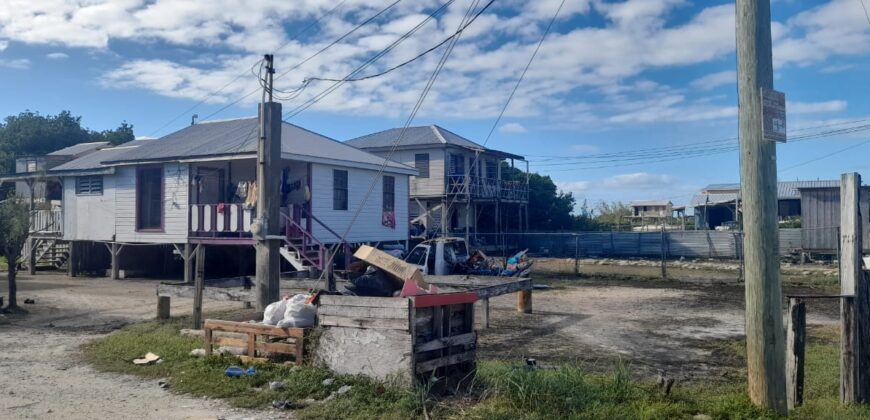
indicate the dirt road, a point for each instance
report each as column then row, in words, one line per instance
column 44, row 377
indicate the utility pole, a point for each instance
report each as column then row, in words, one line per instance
column 268, row 169
column 765, row 350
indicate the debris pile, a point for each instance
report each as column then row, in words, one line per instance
column 297, row 311
column 518, row 265
column 387, row 276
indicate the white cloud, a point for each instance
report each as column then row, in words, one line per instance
column 57, row 56
column 512, row 128
column 815, row 107
column 3, row 44
column 584, row 148
column 15, row 63
column 714, row 80
column 836, row 28
column 578, row 188
column 638, row 180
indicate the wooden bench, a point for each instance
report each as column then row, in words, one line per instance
column 274, row 340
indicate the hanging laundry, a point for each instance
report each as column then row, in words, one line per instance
column 251, row 200
column 241, row 191
column 389, row 219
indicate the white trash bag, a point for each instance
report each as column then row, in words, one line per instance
column 298, row 314
column 274, row 313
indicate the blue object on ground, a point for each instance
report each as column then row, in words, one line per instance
column 236, row 372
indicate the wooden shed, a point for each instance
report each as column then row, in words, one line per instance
column 820, row 219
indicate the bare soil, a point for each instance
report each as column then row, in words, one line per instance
column 680, row 327
column 41, row 366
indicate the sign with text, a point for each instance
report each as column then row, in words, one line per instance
column 773, row 115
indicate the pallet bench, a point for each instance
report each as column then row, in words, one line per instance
column 273, row 340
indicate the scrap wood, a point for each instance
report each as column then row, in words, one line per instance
column 405, row 275
column 147, row 360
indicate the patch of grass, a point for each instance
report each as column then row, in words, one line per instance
column 501, row 390
column 205, row 376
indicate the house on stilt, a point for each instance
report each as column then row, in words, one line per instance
column 143, row 206
column 462, row 188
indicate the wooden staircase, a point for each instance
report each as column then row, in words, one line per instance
column 51, row 254
column 301, row 249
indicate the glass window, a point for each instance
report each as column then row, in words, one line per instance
column 149, row 198
column 457, row 165
column 421, row 162
column 89, row 185
column 389, row 193
column 339, row 189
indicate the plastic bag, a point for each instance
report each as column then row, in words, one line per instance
column 298, row 314
column 274, row 313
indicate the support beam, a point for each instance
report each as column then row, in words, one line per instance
column 115, row 251
column 524, row 301
column 199, row 283
column 765, row 344
column 848, row 367
column 163, row 307
column 32, row 245
column 796, row 340
column 485, row 306
column 72, row 262
column 187, row 257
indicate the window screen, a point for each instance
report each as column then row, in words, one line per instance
column 89, row 185
column 339, row 190
column 421, row 162
column 389, row 193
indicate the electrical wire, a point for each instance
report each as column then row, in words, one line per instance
column 332, row 88
column 398, row 140
column 867, row 15
column 311, row 57
column 235, row 79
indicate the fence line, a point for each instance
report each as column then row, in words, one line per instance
column 674, row 244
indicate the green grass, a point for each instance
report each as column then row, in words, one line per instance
column 501, row 389
column 205, row 376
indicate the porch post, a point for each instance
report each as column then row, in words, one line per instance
column 116, row 268
column 188, row 267
column 31, row 251
column 73, row 260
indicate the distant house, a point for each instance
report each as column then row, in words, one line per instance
column 820, row 219
column 652, row 208
column 717, row 204
column 45, row 189
column 460, row 184
column 198, row 186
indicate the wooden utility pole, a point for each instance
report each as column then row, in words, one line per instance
column 854, row 306
column 765, row 350
column 268, row 209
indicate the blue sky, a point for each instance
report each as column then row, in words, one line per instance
column 613, row 78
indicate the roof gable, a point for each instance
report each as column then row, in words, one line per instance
column 421, row 136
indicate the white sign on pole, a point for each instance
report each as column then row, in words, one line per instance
column 773, row 115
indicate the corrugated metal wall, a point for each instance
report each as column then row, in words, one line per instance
column 688, row 244
column 821, row 218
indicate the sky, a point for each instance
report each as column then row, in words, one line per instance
column 626, row 100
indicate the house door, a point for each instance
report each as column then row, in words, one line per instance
column 149, row 199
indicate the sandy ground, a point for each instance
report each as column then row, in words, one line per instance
column 676, row 327
column 654, row 327
column 46, row 380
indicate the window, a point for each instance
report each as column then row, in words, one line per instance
column 492, row 169
column 421, row 162
column 30, row 165
column 457, row 165
column 389, row 193
column 89, row 185
column 339, row 190
column 149, row 198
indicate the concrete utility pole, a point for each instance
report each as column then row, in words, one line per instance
column 765, row 351
column 268, row 174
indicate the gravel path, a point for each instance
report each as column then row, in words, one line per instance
column 44, row 376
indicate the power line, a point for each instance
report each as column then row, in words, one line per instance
column 326, row 92
column 867, row 15
column 825, row 156
column 311, row 57
column 398, row 140
column 235, row 79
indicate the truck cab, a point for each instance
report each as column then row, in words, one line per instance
column 438, row 256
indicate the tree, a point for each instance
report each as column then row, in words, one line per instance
column 14, row 227
column 585, row 219
column 549, row 208
column 30, row 133
column 613, row 214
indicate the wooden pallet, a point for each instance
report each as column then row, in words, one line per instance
column 272, row 340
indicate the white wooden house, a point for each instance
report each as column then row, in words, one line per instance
column 191, row 187
column 460, row 187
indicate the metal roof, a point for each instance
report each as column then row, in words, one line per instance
column 421, row 136
column 93, row 160
column 79, row 149
column 229, row 138
column 650, row 203
column 785, row 190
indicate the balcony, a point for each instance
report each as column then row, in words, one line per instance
column 487, row 188
column 46, row 222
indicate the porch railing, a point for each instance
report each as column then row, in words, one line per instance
column 482, row 187
column 46, row 221
column 220, row 220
